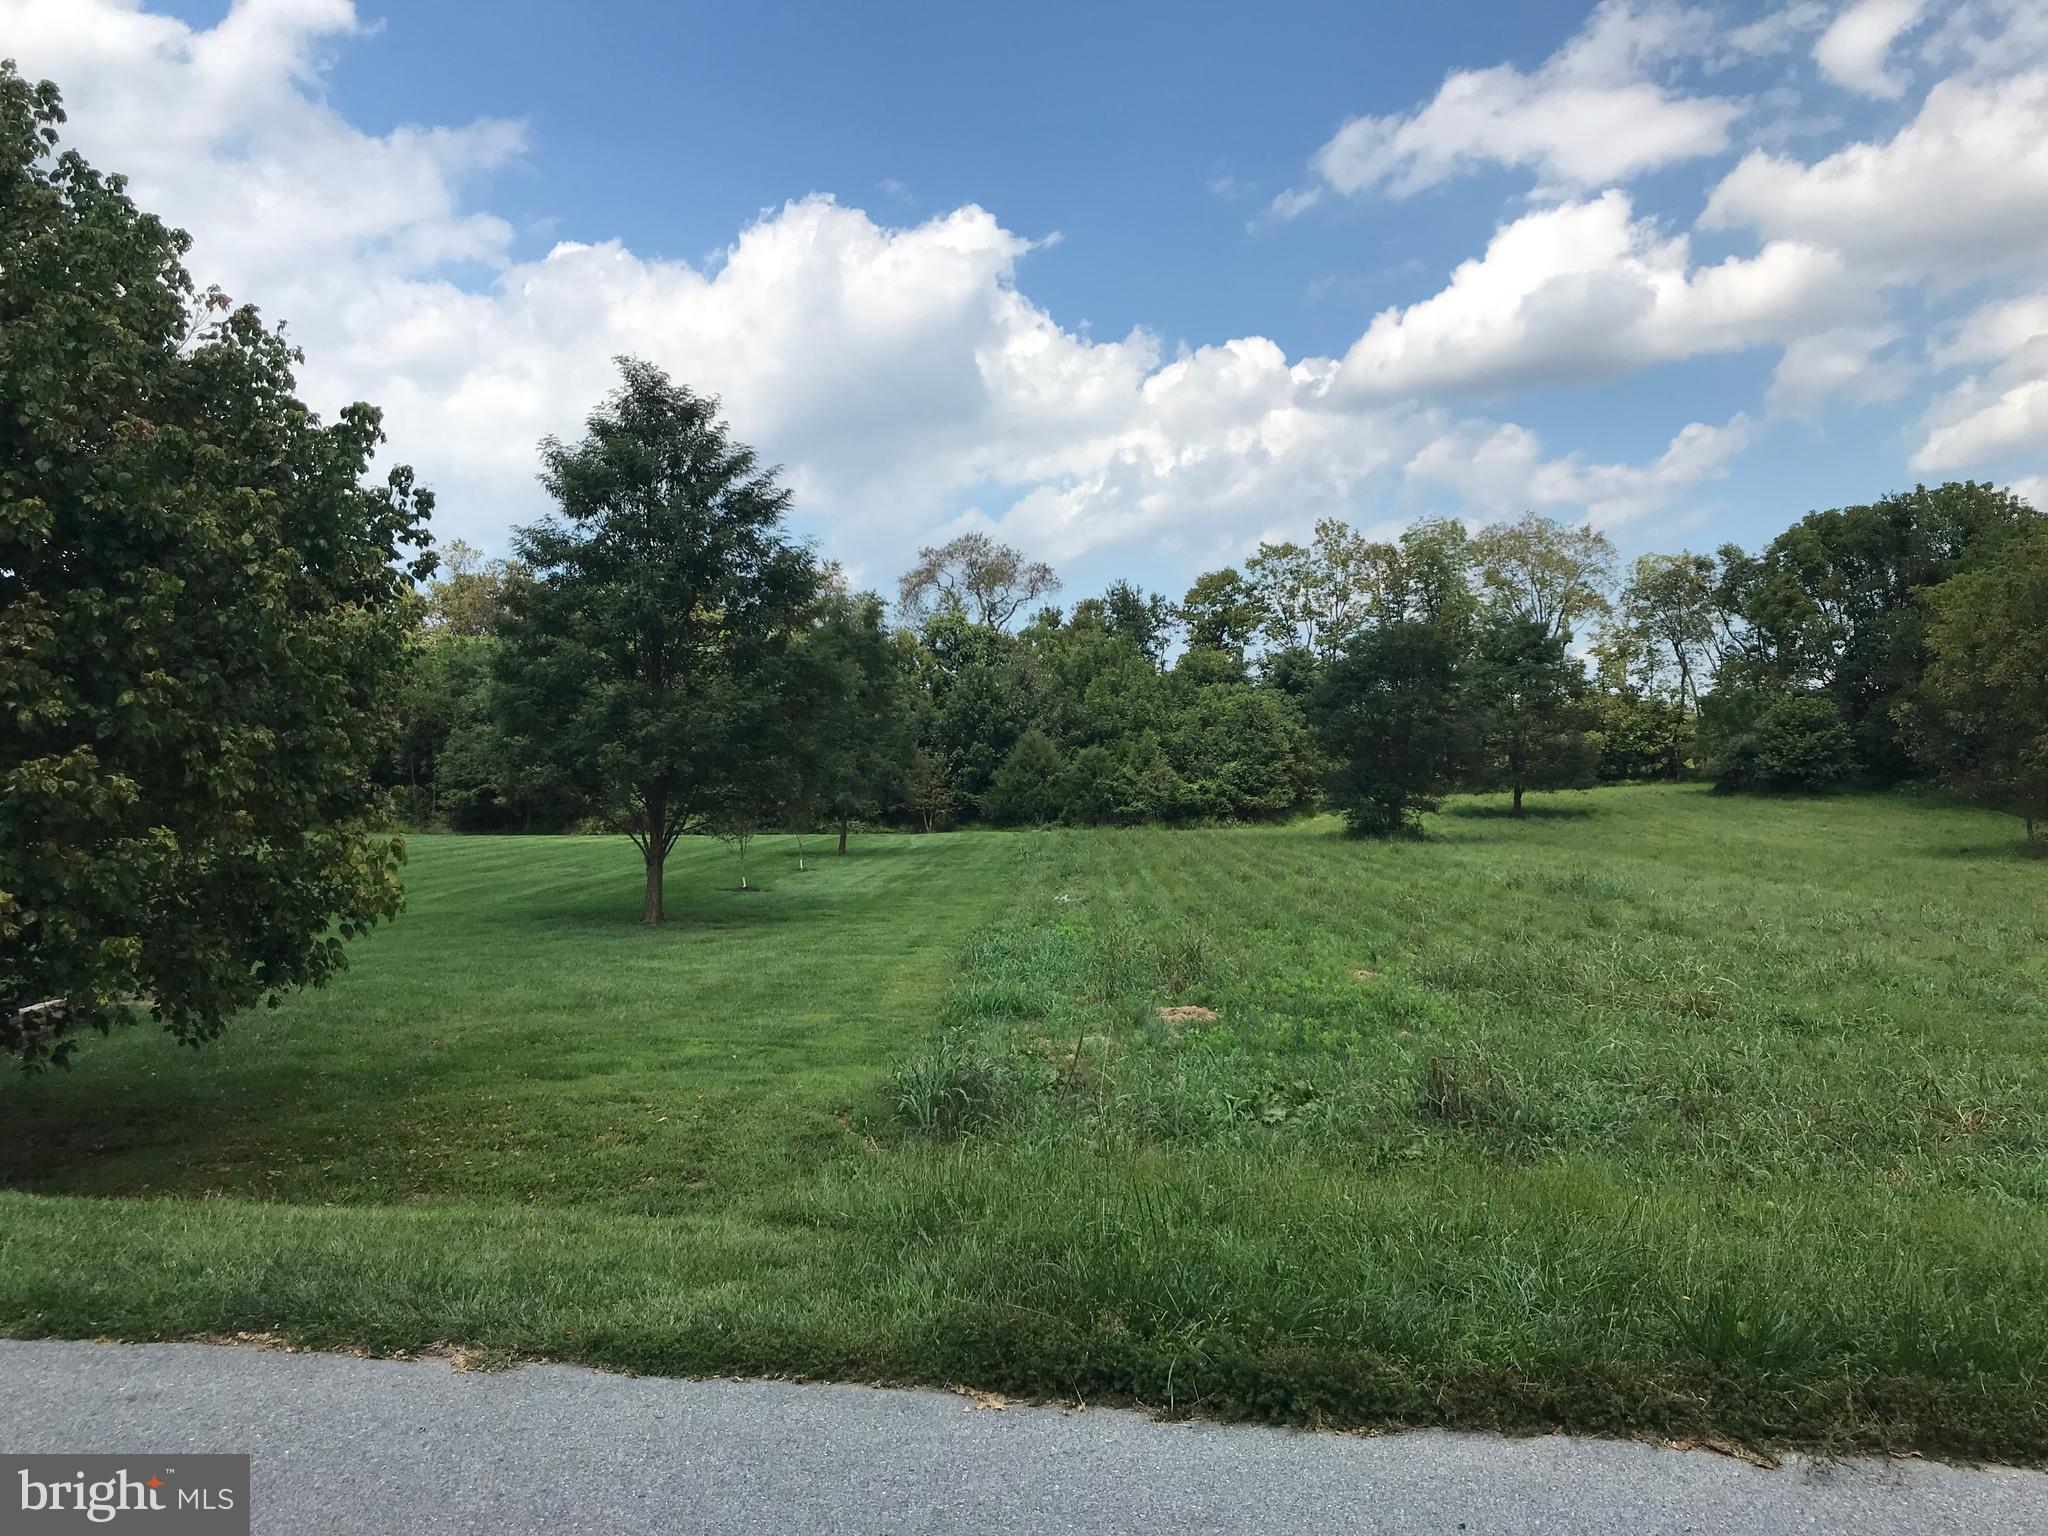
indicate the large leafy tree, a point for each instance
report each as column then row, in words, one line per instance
column 973, row 575
column 1224, row 613
column 1553, row 574
column 1983, row 715
column 1669, row 606
column 1833, row 604
column 1392, row 712
column 1316, row 596
column 643, row 660
column 203, row 618
column 468, row 597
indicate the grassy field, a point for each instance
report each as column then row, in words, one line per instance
column 1653, row 1113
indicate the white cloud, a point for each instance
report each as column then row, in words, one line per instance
column 1854, row 50
column 1778, row 30
column 1584, row 290
column 1995, row 331
column 1986, row 424
column 1838, row 367
column 2033, row 490
column 2002, row 410
column 1501, row 471
column 1987, row 37
column 898, row 372
column 1961, row 189
column 226, row 129
column 1590, row 115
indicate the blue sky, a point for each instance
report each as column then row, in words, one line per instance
column 1134, row 285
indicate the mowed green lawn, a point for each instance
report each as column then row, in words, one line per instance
column 1656, row 1113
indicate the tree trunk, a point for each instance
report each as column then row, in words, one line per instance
column 842, row 834
column 651, row 912
column 1518, row 798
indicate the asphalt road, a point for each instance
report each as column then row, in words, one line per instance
column 374, row 1446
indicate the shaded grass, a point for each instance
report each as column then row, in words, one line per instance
column 518, row 1035
column 1687, row 1116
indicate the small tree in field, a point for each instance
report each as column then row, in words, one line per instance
column 1524, row 690
column 737, row 828
column 929, row 790
column 204, row 617
column 858, row 741
column 1389, row 713
column 643, row 658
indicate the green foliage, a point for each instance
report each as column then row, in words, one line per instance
column 1552, row 574
column 468, row 598
column 1834, row 604
column 1026, row 790
column 1525, row 692
column 204, row 615
column 1224, row 613
column 1118, row 739
column 856, row 745
column 1788, row 742
column 1389, row 713
column 644, row 667
column 1982, row 717
column 1667, row 624
column 1143, row 620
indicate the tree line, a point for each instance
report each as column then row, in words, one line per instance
column 1871, row 644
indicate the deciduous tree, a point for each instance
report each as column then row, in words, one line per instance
column 973, row 575
column 1553, row 574
column 203, row 622
column 859, row 739
column 1983, row 715
column 1525, row 689
column 642, row 664
column 1388, row 712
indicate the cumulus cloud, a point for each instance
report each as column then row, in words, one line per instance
column 1591, row 114
column 1961, row 189
column 1855, row 50
column 2002, row 409
column 1587, row 289
column 1986, row 37
column 225, row 129
column 1501, row 470
column 1986, row 424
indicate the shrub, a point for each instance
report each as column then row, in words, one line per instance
column 1795, row 742
column 1026, row 789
